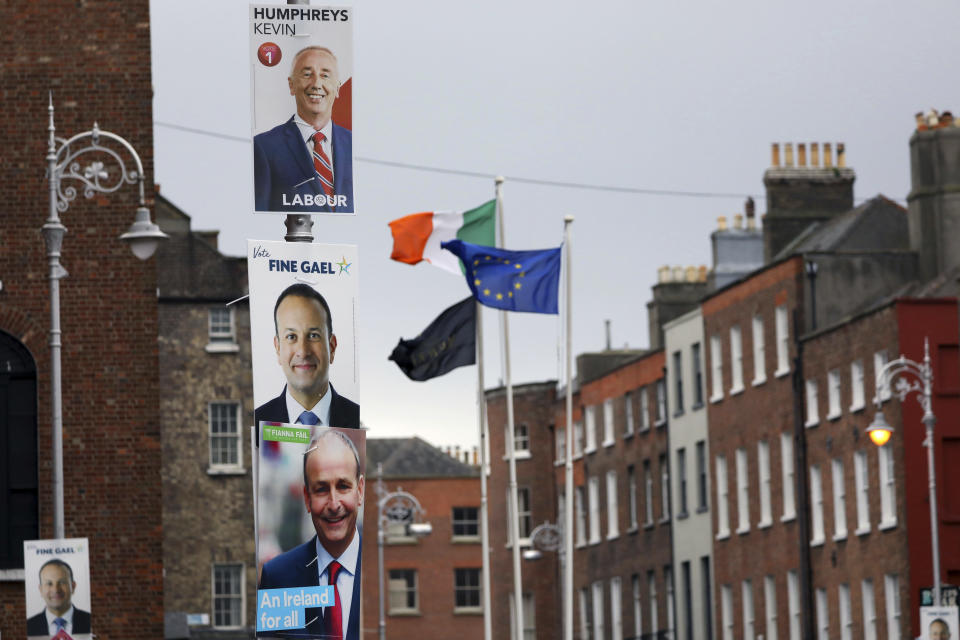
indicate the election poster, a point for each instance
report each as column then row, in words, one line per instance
column 303, row 332
column 302, row 61
column 311, row 487
column 57, row 587
column 939, row 623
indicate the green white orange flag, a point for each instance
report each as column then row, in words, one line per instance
column 418, row 236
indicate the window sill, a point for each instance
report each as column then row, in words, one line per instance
column 609, row 443
column 468, row 611
column 648, row 525
column 590, row 450
column 834, row 416
column 759, row 381
column 838, row 537
column 702, row 509
column 811, row 423
column 226, row 471
column 519, row 454
column 12, row 575
column 862, row 531
column 222, row 347
column 594, row 543
column 632, row 530
column 659, row 424
column 613, row 536
column 859, row 407
column 645, row 428
column 405, row 613
column 787, row 517
column 664, row 520
column 627, row 435
column 886, row 525
column 683, row 515
column 817, row 542
column 723, row 535
column 764, row 524
column 735, row 391
column 714, row 399
column 742, row 531
column 779, row 373
column 581, row 545
column 697, row 405
column 465, row 540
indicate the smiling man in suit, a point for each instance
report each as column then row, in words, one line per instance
column 306, row 164
column 57, row 587
column 333, row 495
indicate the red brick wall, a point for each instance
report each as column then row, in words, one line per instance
column 95, row 57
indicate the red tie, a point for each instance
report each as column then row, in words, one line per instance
column 322, row 163
column 334, row 615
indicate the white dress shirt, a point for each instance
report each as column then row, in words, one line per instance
column 307, row 130
column 348, row 560
column 321, row 409
column 52, row 628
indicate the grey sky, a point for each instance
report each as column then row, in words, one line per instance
column 673, row 96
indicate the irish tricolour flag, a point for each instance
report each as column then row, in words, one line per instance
column 418, row 236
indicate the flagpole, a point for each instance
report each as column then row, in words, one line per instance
column 568, row 458
column 484, row 518
column 512, row 501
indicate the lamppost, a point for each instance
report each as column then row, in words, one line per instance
column 880, row 430
column 64, row 164
column 395, row 508
column 549, row 537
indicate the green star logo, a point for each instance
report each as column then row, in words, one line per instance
column 344, row 265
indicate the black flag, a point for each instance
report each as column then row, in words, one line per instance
column 449, row 342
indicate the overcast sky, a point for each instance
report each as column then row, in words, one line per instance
column 642, row 95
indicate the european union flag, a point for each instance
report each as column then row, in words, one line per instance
column 510, row 280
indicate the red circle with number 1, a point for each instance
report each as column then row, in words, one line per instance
column 269, row 54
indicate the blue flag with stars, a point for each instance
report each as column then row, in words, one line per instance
column 510, row 280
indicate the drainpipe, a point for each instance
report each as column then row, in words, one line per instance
column 801, row 476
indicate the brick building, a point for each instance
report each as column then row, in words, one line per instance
column 432, row 584
column 98, row 68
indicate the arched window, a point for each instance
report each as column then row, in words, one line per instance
column 18, row 450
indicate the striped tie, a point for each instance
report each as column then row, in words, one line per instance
column 322, row 163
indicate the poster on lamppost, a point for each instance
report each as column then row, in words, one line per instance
column 57, row 588
column 301, row 81
column 939, row 623
column 310, row 493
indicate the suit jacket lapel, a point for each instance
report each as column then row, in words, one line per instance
column 299, row 151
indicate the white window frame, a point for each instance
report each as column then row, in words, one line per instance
column 637, row 606
column 793, row 604
column 590, row 418
column 581, row 514
column 736, row 360
column 763, row 464
column 678, row 383
column 585, row 627
column 608, row 438
column 869, row 609
column 465, row 522
column 716, row 369
column 703, row 484
column 616, row 608
column 578, row 439
column 668, row 587
column 394, row 587
column 644, row 410
column 529, row 617
column 891, row 588
column 816, row 506
column 633, row 512
column 218, row 339
column 524, row 515
column 681, row 475
column 880, row 359
column 746, row 599
column 468, row 589
column 696, row 376
column 593, row 486
column 786, row 473
column 661, row 391
column 652, row 592
column 770, row 607
column 857, row 396
column 783, row 341
column 723, row 499
column 862, row 484
column 613, row 520
column 235, row 466
column 888, row 489
column 628, row 414
column 845, row 612
column 521, row 442
column 743, row 492
column 823, row 616
column 839, row 500
column 561, row 436
column 598, row 626
column 759, row 352
column 664, row 488
column 648, row 492
column 726, row 611
column 813, row 409
column 833, row 394
column 242, row 595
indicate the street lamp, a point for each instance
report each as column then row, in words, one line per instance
column 544, row 537
column 64, row 165
column 880, row 430
column 397, row 508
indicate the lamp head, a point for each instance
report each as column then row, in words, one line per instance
column 532, row 554
column 143, row 235
column 879, row 430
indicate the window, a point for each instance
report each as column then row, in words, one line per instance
column 770, row 607
column 678, row 383
column 668, row 585
column 466, row 522
column 585, row 614
column 891, row 587
column 707, row 599
column 521, row 438
column 863, row 492
column 652, row 590
column 225, row 442
column 839, row 500
column 682, row 481
column 888, row 492
column 846, row 619
column 716, row 369
column 723, row 514
column 598, row 630
column 664, row 489
column 632, row 493
column 833, row 394
column 726, row 612
column 793, row 604
column 736, row 360
column 816, row 506
column 608, row 422
column 613, row 524
column 786, row 469
column 880, row 360
column 466, row 589
column 701, row 476
column 591, row 420
column 743, row 506
column 813, row 411
column 661, row 402
column 647, row 493
column 823, row 618
column 581, row 517
column 594, row 486
column 529, row 618
column 759, row 352
column 222, row 331
column 687, row 599
column 644, row 410
column 746, row 593
column 856, row 386
column 697, row 368
column 561, row 444
column 525, row 519
column 763, row 462
column 628, row 414
column 403, row 591
column 616, row 604
column 783, row 342
column 869, row 610
column 637, row 607
column 228, row 591
column 577, row 439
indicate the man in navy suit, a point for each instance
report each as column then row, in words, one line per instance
column 333, row 495
column 306, row 346
column 289, row 160
column 57, row 587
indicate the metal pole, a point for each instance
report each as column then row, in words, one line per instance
column 512, row 501
column 484, row 516
column 567, row 555
column 383, row 619
column 929, row 420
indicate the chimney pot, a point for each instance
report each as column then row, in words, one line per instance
column 788, row 152
column 737, row 221
column 702, row 276
column 678, row 274
column 827, row 155
column 775, row 155
column 814, row 154
column 663, row 274
column 841, row 155
column 802, row 155
column 749, row 207
column 691, row 274
column 932, row 118
column 918, row 118
column 721, row 223
column 606, row 327
column 946, row 119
